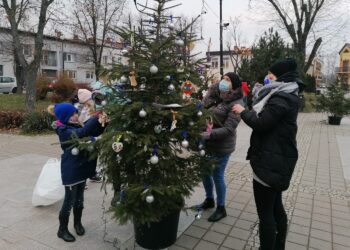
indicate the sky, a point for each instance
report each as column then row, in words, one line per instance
column 252, row 24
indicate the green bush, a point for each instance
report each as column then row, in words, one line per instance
column 42, row 87
column 37, row 122
column 10, row 119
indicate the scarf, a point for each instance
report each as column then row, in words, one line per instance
column 269, row 90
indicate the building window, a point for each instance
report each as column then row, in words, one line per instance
column 71, row 73
column 49, row 73
column 215, row 64
column 49, row 58
column 89, row 75
column 226, row 64
column 105, row 59
column 69, row 57
column 1, row 70
column 27, row 50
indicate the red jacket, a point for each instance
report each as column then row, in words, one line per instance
column 245, row 88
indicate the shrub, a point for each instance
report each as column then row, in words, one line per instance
column 64, row 89
column 10, row 119
column 42, row 87
column 37, row 122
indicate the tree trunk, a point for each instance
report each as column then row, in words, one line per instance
column 31, row 75
column 20, row 79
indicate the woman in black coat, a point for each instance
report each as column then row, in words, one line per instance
column 273, row 149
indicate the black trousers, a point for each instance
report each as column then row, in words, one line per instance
column 74, row 197
column 272, row 217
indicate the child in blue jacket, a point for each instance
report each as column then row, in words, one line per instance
column 76, row 166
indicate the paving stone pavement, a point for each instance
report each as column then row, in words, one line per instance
column 317, row 202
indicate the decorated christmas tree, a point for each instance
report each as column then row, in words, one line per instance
column 151, row 150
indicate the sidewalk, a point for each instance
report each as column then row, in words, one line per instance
column 317, row 202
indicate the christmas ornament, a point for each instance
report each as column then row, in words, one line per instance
column 168, row 77
column 202, row 152
column 132, row 78
column 200, row 107
column 180, row 69
column 153, row 69
column 171, row 87
column 142, row 87
column 179, row 41
column 117, row 146
column 201, row 145
column 185, row 143
column 158, row 129
column 149, row 198
column 171, row 26
column 75, row 151
column 202, row 78
column 104, row 103
column 143, row 83
column 90, row 148
column 191, row 123
column 173, row 123
column 124, row 52
column 123, row 79
column 142, row 113
column 154, row 159
column 199, row 113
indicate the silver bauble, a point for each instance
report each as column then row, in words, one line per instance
column 171, row 87
column 142, row 113
column 104, row 103
column 171, row 26
column 149, row 198
column 179, row 42
column 200, row 113
column 191, row 123
column 75, row 151
column 168, row 78
column 185, row 143
column 202, row 152
column 158, row 129
column 124, row 52
column 154, row 159
column 153, row 69
column 123, row 79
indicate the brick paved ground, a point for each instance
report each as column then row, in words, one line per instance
column 317, row 201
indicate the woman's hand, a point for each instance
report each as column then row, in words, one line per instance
column 238, row 108
column 102, row 118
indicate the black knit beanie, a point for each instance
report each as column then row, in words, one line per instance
column 282, row 67
column 235, row 80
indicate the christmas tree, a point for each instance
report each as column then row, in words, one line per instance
column 152, row 150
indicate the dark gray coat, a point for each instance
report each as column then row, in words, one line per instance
column 222, row 139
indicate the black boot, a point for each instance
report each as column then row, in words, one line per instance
column 267, row 237
column 207, row 203
column 77, row 221
column 281, row 239
column 63, row 232
column 219, row 213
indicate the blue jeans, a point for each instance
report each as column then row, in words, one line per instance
column 74, row 197
column 217, row 178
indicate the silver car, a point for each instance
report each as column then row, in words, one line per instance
column 8, row 84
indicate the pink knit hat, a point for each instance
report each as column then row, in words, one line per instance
column 84, row 95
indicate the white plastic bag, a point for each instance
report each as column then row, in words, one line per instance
column 48, row 188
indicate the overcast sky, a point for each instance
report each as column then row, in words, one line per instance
column 252, row 26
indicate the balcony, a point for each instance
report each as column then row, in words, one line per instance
column 342, row 69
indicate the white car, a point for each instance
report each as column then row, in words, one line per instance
column 8, row 84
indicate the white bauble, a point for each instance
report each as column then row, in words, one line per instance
column 123, row 79
column 90, row 148
column 202, row 78
column 191, row 123
column 75, row 151
column 201, row 146
column 200, row 113
column 171, row 26
column 158, row 129
column 149, row 198
column 153, row 69
column 168, row 78
column 104, row 103
column 124, row 52
column 180, row 70
column 142, row 113
column 202, row 152
column 154, row 159
column 185, row 143
column 179, row 42
column 171, row 87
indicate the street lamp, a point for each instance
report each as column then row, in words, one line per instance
column 221, row 45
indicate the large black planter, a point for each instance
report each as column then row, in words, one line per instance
column 334, row 120
column 157, row 235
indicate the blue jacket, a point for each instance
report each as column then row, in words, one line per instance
column 77, row 168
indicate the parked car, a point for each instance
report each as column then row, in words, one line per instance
column 8, row 84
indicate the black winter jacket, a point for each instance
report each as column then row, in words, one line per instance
column 273, row 148
column 222, row 139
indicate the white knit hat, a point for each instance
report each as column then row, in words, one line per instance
column 84, row 95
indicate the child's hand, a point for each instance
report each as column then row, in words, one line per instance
column 237, row 108
column 103, row 118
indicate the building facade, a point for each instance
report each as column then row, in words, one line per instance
column 316, row 70
column 343, row 71
column 72, row 57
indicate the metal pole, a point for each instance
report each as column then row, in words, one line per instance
column 221, row 46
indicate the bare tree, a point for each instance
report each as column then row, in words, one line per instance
column 93, row 21
column 16, row 12
column 299, row 19
column 235, row 44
